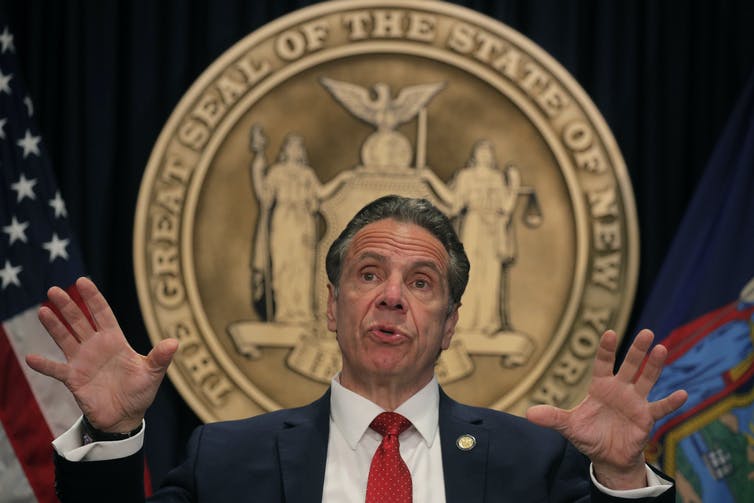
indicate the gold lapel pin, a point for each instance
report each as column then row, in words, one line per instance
column 466, row 442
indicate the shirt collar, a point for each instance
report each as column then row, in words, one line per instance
column 352, row 413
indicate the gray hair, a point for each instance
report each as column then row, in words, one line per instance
column 407, row 210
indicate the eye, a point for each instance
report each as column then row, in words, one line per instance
column 422, row 284
column 368, row 276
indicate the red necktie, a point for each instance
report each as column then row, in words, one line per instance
column 389, row 478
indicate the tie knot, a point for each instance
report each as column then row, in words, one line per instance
column 390, row 423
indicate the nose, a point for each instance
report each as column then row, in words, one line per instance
column 392, row 295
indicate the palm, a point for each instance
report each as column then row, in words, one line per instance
column 112, row 384
column 612, row 424
column 108, row 379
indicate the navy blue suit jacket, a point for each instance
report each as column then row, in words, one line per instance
column 280, row 457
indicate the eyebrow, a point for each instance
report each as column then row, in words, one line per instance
column 415, row 265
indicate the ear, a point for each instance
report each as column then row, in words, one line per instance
column 332, row 308
column 450, row 327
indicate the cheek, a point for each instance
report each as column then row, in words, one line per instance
column 435, row 328
column 351, row 308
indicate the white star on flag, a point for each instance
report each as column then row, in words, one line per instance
column 58, row 205
column 29, row 106
column 6, row 41
column 56, row 247
column 24, row 188
column 4, row 81
column 16, row 231
column 9, row 275
column 29, row 143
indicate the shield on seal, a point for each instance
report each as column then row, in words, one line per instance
column 388, row 165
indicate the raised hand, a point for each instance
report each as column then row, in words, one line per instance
column 112, row 384
column 612, row 424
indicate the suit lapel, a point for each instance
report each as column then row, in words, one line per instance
column 465, row 471
column 302, row 447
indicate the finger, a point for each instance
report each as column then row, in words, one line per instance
column 668, row 405
column 162, row 354
column 635, row 356
column 548, row 416
column 59, row 333
column 70, row 313
column 97, row 305
column 652, row 370
column 50, row 368
column 605, row 359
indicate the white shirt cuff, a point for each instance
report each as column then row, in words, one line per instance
column 656, row 485
column 70, row 446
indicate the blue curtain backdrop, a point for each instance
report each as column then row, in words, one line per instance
column 105, row 75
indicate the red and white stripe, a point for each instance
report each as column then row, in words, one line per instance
column 33, row 410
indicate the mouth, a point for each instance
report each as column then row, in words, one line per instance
column 386, row 334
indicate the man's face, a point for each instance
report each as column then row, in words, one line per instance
column 391, row 314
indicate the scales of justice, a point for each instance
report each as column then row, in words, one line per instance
column 288, row 280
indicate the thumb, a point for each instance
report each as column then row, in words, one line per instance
column 548, row 416
column 162, row 354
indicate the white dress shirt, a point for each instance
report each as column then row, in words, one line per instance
column 353, row 443
column 351, row 446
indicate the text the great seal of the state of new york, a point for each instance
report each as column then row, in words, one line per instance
column 294, row 128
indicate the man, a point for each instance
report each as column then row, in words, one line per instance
column 397, row 273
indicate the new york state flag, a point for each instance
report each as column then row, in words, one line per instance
column 702, row 309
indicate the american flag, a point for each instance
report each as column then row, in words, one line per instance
column 37, row 250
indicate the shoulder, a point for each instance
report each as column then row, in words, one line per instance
column 502, row 426
column 263, row 427
column 462, row 176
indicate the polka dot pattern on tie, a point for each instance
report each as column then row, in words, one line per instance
column 389, row 477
